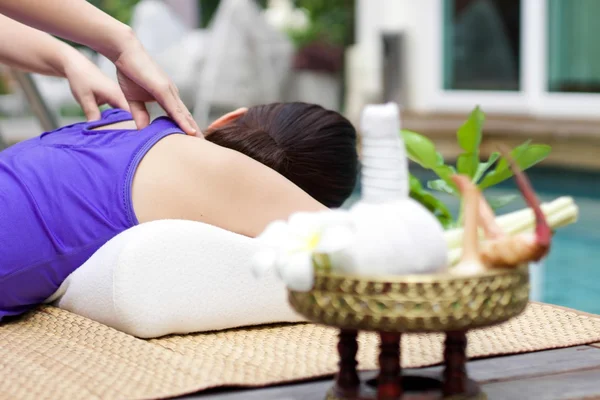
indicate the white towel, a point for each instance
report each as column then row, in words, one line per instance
column 174, row 276
column 384, row 161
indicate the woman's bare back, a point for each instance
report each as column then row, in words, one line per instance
column 185, row 177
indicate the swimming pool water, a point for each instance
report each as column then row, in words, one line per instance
column 570, row 275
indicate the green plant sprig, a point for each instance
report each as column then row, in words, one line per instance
column 484, row 174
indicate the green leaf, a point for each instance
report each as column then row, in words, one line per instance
column 441, row 186
column 414, row 183
column 483, row 167
column 525, row 156
column 445, row 173
column 433, row 204
column 420, row 149
column 469, row 134
column 469, row 139
column 467, row 164
column 500, row 201
column 440, row 159
column 515, row 153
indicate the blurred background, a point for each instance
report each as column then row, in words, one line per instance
column 532, row 65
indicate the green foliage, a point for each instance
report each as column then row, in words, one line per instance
column 119, row 9
column 422, row 151
column 525, row 155
column 72, row 111
column 432, row 203
column 500, row 201
column 331, row 21
column 484, row 174
column 209, row 7
column 3, row 85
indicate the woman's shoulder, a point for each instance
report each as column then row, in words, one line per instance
column 193, row 152
column 176, row 169
column 185, row 177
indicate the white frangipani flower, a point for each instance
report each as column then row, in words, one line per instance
column 289, row 246
column 395, row 238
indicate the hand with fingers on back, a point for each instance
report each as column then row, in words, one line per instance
column 90, row 87
column 140, row 78
column 142, row 81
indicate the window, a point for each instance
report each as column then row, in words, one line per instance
column 512, row 57
column 573, row 50
column 482, row 44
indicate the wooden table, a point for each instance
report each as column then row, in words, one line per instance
column 572, row 373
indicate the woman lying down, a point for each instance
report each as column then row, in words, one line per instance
column 67, row 192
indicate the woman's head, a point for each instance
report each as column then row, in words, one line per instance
column 313, row 147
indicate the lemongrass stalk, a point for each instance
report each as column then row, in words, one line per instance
column 513, row 222
column 557, row 217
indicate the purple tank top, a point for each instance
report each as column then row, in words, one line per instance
column 62, row 196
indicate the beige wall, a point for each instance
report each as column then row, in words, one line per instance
column 419, row 21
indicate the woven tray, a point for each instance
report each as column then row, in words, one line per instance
column 52, row 354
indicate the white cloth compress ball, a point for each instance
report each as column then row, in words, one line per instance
column 395, row 238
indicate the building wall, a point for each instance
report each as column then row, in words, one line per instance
column 420, row 21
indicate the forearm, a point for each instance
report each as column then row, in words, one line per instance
column 75, row 20
column 32, row 50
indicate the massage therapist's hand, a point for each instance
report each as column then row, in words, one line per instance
column 90, row 86
column 143, row 81
column 35, row 51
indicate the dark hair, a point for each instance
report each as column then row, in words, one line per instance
column 313, row 147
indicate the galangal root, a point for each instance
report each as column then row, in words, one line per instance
column 499, row 250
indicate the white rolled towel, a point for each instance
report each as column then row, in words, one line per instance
column 384, row 162
column 172, row 276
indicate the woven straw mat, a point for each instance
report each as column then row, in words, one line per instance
column 53, row 354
